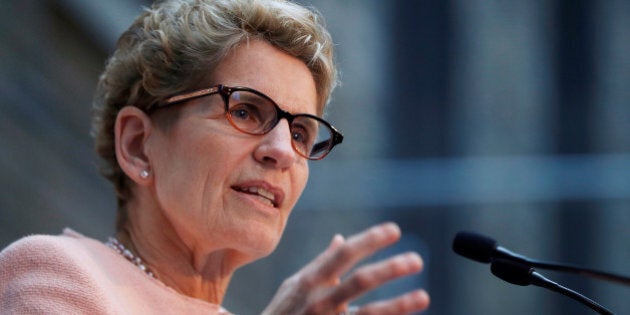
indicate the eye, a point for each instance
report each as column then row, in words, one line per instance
column 240, row 113
column 303, row 133
column 300, row 135
column 245, row 113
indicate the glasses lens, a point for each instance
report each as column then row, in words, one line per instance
column 311, row 137
column 252, row 113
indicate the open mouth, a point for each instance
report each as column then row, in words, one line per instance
column 264, row 195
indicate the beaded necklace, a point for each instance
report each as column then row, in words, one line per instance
column 113, row 243
column 121, row 249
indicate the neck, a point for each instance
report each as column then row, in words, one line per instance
column 200, row 274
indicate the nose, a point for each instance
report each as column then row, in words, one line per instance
column 275, row 148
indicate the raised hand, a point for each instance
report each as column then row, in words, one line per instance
column 328, row 283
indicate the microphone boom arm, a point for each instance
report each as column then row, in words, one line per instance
column 556, row 287
column 523, row 275
column 598, row 274
column 503, row 253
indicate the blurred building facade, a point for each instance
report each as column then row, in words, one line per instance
column 511, row 119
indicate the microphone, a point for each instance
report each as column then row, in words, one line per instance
column 523, row 275
column 485, row 250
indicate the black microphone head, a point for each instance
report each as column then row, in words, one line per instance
column 474, row 246
column 512, row 271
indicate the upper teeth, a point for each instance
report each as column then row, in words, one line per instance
column 260, row 191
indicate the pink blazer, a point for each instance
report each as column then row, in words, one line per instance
column 73, row 274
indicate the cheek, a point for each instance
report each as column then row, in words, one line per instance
column 299, row 181
column 187, row 173
column 190, row 191
column 305, row 174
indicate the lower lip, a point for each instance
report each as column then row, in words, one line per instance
column 256, row 202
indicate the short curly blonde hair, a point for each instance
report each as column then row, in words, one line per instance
column 173, row 44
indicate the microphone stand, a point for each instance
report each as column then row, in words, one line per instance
column 597, row 274
column 484, row 249
column 554, row 286
column 520, row 274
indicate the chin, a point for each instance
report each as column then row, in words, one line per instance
column 260, row 245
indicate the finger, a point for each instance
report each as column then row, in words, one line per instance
column 409, row 303
column 308, row 275
column 336, row 242
column 357, row 248
column 374, row 275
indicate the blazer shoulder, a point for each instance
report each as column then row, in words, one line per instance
column 49, row 272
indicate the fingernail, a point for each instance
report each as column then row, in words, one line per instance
column 337, row 240
column 391, row 227
column 416, row 258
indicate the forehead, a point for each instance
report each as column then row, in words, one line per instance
column 259, row 65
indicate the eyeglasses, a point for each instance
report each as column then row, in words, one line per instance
column 254, row 113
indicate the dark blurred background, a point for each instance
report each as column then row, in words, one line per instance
column 509, row 118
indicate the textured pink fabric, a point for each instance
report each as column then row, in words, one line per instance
column 73, row 274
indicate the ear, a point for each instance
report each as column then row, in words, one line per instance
column 131, row 131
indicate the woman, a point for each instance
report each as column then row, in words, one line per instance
column 205, row 117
